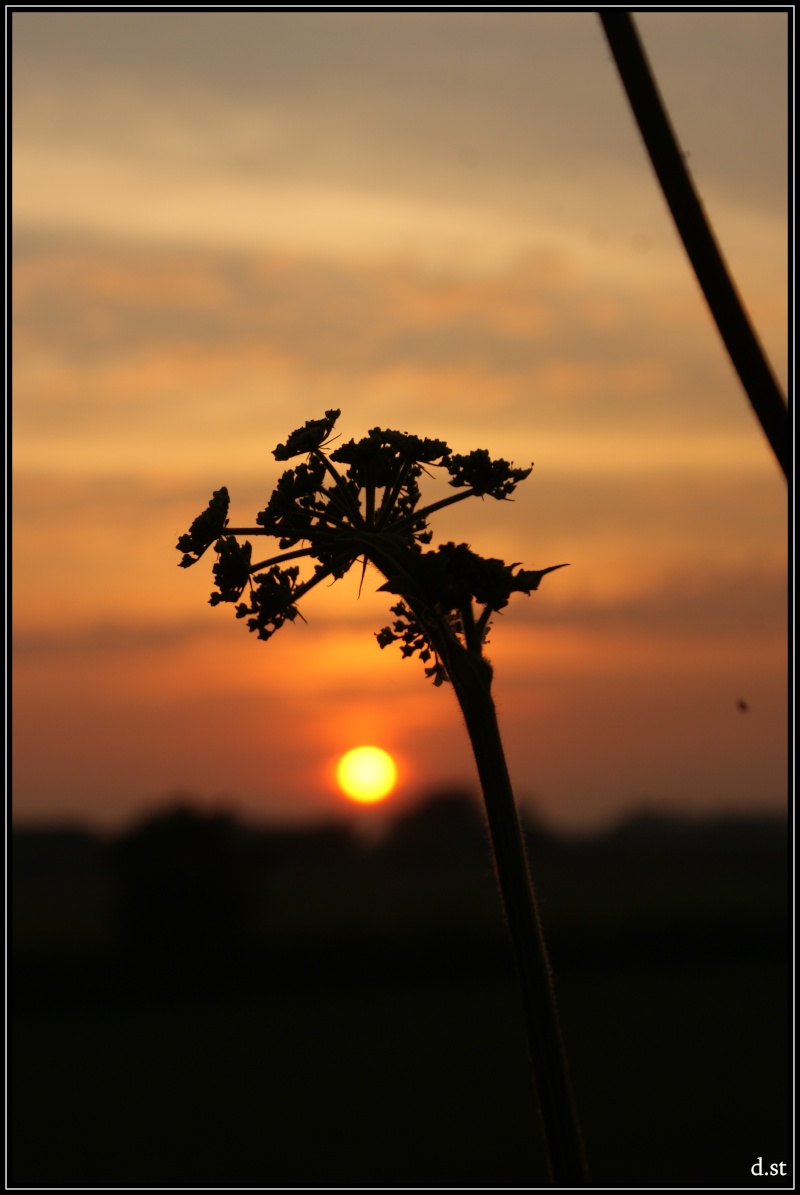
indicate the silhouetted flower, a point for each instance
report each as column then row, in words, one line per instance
column 271, row 601
column 368, row 512
column 295, row 503
column 485, row 476
column 206, row 528
column 232, row 570
column 408, row 632
column 312, row 435
column 378, row 458
column 447, row 581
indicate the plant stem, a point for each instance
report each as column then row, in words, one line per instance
column 420, row 515
column 390, row 496
column 727, row 308
column 279, row 559
column 339, row 494
column 471, row 679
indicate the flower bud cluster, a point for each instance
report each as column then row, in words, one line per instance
column 368, row 511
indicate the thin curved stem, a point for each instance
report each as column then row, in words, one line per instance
column 420, row 515
column 472, row 634
column 246, row 531
column 340, row 493
column 390, row 496
column 303, row 589
column 483, row 621
column 283, row 556
column 741, row 342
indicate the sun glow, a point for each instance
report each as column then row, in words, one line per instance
column 366, row 774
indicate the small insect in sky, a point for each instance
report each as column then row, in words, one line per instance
column 742, row 705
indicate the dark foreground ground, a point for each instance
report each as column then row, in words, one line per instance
column 202, row 1007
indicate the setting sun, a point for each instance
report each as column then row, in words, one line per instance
column 366, row 774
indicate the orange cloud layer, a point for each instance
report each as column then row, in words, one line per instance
column 146, row 379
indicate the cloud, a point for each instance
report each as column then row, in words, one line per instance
column 684, row 603
column 122, row 354
column 407, row 102
column 699, row 548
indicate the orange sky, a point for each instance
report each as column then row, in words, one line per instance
column 440, row 222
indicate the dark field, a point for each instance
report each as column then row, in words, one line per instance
column 208, row 1008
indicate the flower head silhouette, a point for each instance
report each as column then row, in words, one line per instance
column 361, row 502
column 207, row 527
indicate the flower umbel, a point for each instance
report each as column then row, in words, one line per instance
column 207, row 527
column 361, row 502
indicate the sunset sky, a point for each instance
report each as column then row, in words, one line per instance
column 441, row 222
